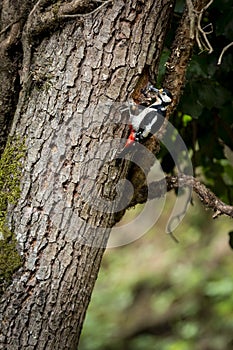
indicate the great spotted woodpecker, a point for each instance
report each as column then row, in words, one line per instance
column 149, row 119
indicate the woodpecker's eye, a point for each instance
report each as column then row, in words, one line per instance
column 163, row 93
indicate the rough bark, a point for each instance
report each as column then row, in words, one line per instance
column 69, row 77
column 12, row 19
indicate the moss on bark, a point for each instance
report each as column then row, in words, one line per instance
column 10, row 174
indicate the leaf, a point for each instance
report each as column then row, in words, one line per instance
column 186, row 119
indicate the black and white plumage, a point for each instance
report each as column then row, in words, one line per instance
column 147, row 118
column 150, row 119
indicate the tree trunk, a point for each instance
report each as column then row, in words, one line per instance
column 71, row 74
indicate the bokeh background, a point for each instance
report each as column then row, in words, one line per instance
column 157, row 294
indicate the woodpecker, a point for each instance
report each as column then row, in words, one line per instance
column 149, row 119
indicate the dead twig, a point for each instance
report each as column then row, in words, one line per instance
column 196, row 30
column 192, row 17
column 223, row 51
column 201, row 34
column 207, row 197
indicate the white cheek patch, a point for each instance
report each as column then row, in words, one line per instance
column 166, row 99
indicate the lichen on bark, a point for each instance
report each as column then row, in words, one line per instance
column 10, row 174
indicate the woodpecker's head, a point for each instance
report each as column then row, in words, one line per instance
column 164, row 96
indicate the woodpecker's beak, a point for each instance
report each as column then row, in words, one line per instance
column 154, row 89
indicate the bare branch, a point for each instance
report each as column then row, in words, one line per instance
column 196, row 30
column 223, row 51
column 201, row 35
column 192, row 17
column 208, row 198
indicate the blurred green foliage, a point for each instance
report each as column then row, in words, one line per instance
column 156, row 294
column 10, row 174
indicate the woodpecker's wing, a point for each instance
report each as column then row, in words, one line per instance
column 136, row 120
column 157, row 125
column 147, row 123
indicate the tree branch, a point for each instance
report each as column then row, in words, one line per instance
column 201, row 34
column 176, row 67
column 223, row 51
column 59, row 12
column 208, row 198
column 181, row 50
